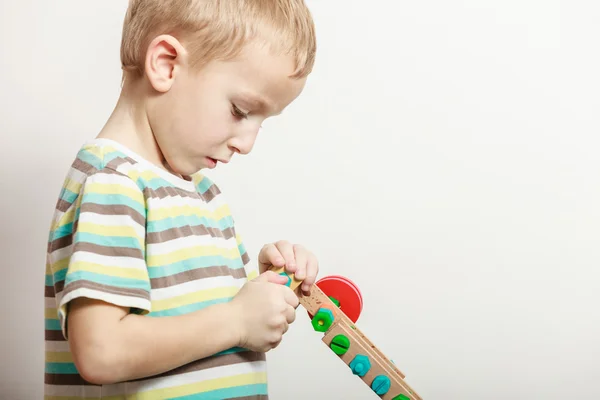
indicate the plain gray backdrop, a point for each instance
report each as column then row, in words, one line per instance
column 444, row 156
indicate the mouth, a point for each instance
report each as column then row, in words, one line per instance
column 214, row 161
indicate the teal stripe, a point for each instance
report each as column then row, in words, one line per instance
column 189, row 308
column 111, row 155
column 64, row 230
column 61, row 368
column 90, row 158
column 52, row 324
column 113, row 199
column 108, row 241
column 228, row 393
column 204, row 185
column 59, row 276
column 49, row 280
column 188, row 220
column 190, row 264
column 233, row 350
column 108, row 280
column 67, row 195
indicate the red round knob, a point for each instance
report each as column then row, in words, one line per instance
column 345, row 292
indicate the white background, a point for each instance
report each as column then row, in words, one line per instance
column 444, row 156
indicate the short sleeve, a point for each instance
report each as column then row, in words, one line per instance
column 107, row 257
column 250, row 267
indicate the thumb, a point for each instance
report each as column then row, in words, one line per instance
column 272, row 277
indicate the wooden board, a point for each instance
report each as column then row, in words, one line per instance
column 359, row 343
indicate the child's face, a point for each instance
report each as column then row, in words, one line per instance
column 209, row 115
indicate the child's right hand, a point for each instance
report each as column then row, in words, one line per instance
column 263, row 309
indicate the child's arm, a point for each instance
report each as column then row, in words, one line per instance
column 111, row 345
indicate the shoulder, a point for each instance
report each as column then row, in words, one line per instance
column 207, row 188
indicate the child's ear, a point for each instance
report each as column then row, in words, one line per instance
column 164, row 59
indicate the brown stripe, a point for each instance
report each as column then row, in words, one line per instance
column 83, row 166
column 165, row 191
column 245, row 258
column 170, row 191
column 198, row 273
column 185, row 231
column 116, row 162
column 63, row 205
column 109, row 250
column 139, row 293
column 49, row 291
column 65, row 379
column 114, row 209
column 214, row 361
column 55, row 336
column 212, row 192
column 60, row 243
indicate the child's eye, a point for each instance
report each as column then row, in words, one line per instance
column 237, row 112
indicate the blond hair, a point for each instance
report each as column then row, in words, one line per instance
column 218, row 29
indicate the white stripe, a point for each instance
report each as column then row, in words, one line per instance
column 195, row 286
column 185, row 379
column 114, row 179
column 117, row 299
column 83, row 391
column 155, row 249
column 49, row 302
column 179, row 201
column 112, row 220
column 61, row 254
column 57, row 346
column 76, row 175
column 109, row 261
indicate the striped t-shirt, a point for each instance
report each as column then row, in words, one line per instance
column 129, row 233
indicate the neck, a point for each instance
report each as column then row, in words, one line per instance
column 128, row 124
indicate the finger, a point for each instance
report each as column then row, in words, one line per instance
column 270, row 276
column 312, row 270
column 270, row 255
column 290, row 315
column 301, row 256
column 290, row 297
column 286, row 249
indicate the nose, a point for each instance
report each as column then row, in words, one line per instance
column 243, row 142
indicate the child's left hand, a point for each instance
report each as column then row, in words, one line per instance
column 297, row 260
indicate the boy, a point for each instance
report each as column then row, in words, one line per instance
column 150, row 293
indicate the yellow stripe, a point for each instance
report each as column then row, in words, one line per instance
column 252, row 274
column 145, row 175
column 73, row 186
column 61, row 264
column 191, row 252
column 198, row 387
column 109, row 270
column 50, row 313
column 238, row 239
column 172, row 211
column 109, row 230
column 195, row 297
column 59, row 357
column 67, row 217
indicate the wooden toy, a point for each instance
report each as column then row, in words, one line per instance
column 334, row 305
